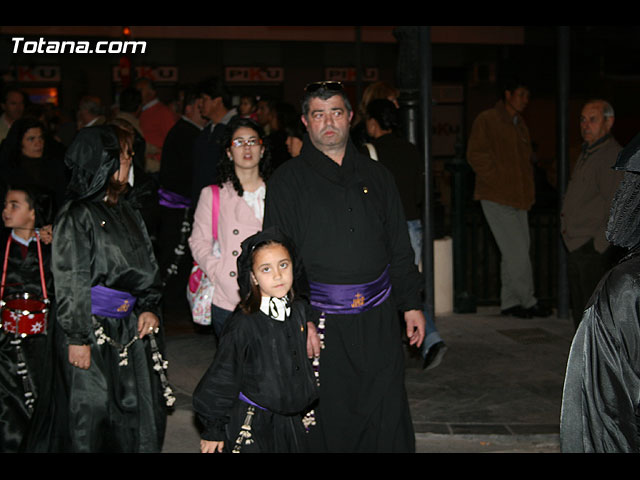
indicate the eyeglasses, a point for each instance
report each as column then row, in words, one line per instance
column 251, row 142
column 327, row 85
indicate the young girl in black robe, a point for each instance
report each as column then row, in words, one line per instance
column 253, row 396
column 26, row 273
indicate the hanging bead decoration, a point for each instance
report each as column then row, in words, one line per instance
column 245, row 437
column 309, row 418
column 23, row 373
column 160, row 365
column 181, row 248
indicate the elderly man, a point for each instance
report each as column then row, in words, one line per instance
column 344, row 214
column 586, row 205
column 499, row 151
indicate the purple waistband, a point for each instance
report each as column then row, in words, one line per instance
column 107, row 302
column 243, row 397
column 350, row 299
column 170, row 199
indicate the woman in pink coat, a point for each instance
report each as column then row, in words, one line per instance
column 242, row 174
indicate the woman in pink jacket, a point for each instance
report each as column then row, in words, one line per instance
column 242, row 174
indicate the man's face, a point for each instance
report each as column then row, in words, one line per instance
column 14, row 106
column 328, row 123
column 518, row 98
column 263, row 113
column 208, row 106
column 593, row 124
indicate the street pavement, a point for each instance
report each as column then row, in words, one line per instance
column 497, row 389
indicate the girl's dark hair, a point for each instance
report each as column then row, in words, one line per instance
column 250, row 303
column 40, row 200
column 226, row 167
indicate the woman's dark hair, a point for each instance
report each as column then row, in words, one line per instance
column 384, row 112
column 12, row 144
column 125, row 134
column 40, row 200
column 226, row 167
column 250, row 303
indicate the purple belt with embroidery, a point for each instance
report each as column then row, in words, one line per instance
column 107, row 302
column 170, row 199
column 242, row 397
column 351, row 298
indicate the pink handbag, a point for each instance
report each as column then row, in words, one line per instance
column 200, row 288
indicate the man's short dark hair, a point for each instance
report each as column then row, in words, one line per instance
column 130, row 100
column 323, row 94
column 7, row 90
column 510, row 84
column 214, row 88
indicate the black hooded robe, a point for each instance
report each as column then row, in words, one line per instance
column 347, row 223
column 109, row 407
column 601, row 397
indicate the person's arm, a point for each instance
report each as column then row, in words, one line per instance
column 201, row 240
column 480, row 154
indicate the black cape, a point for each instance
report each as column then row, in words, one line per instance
column 266, row 360
column 602, row 384
column 23, row 276
column 348, row 224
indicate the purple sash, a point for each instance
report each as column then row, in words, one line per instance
column 107, row 302
column 250, row 402
column 170, row 199
column 350, row 299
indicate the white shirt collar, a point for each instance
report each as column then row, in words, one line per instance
column 21, row 240
column 150, row 104
column 276, row 308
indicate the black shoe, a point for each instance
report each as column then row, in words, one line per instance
column 517, row 311
column 539, row 311
column 434, row 356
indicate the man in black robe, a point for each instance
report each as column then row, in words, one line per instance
column 344, row 214
column 601, row 397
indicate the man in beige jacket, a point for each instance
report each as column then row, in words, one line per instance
column 586, row 205
column 499, row 151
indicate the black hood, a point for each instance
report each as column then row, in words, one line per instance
column 245, row 260
column 629, row 157
column 623, row 228
column 93, row 157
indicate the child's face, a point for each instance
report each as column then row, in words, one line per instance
column 16, row 212
column 273, row 270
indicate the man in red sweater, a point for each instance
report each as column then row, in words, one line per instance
column 156, row 119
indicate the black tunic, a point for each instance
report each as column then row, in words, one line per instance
column 601, row 395
column 348, row 225
column 110, row 407
column 23, row 275
column 266, row 360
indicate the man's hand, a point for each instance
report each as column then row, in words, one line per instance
column 415, row 326
column 314, row 345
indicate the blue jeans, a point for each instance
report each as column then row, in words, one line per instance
column 431, row 333
column 218, row 318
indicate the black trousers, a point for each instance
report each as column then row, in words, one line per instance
column 585, row 268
